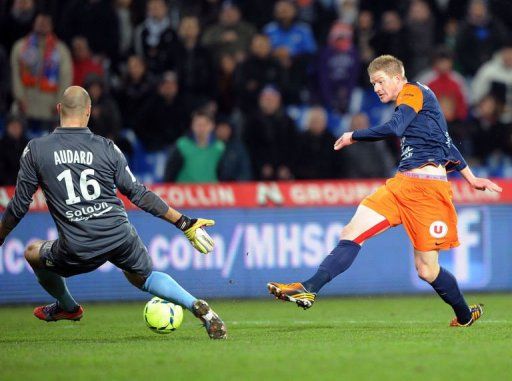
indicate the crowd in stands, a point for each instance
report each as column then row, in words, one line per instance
column 226, row 90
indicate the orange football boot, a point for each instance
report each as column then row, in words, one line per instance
column 476, row 312
column 292, row 292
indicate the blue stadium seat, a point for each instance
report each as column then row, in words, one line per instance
column 148, row 167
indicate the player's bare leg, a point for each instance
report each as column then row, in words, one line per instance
column 427, row 264
column 445, row 284
column 65, row 308
column 162, row 285
column 365, row 224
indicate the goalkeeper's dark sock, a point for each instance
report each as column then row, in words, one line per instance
column 162, row 285
column 334, row 264
column 55, row 285
column 446, row 286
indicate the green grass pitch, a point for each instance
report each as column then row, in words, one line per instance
column 366, row 338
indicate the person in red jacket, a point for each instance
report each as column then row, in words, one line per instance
column 447, row 84
column 83, row 61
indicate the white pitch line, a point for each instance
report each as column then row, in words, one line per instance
column 267, row 322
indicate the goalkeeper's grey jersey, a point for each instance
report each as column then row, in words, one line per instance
column 79, row 172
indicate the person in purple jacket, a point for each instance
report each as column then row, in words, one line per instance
column 338, row 68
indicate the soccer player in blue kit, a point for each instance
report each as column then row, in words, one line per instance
column 419, row 196
column 79, row 172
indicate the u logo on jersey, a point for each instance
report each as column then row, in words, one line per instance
column 438, row 229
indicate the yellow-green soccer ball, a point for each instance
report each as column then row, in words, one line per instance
column 162, row 316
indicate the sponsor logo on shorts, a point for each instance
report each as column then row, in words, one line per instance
column 438, row 229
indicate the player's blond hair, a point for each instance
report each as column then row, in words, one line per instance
column 388, row 64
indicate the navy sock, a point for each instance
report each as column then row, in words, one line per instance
column 335, row 263
column 446, row 286
column 55, row 285
column 162, row 285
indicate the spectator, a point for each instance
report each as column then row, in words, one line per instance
column 162, row 119
column 95, row 20
column 488, row 131
column 105, row 119
column 17, row 23
column 209, row 107
column 226, row 99
column 258, row 70
column 319, row 15
column 41, row 71
column 447, row 84
column 257, row 12
column 363, row 34
column 230, row 35
column 378, row 8
column 347, row 11
column 84, row 63
column 235, row 164
column 451, row 30
column 366, row 160
column 5, row 85
column 12, row 145
column 125, row 18
column 315, row 156
column 338, row 68
column 455, row 9
column 479, row 37
column 195, row 68
column 287, row 36
column 207, row 12
column 391, row 37
column 502, row 10
column 293, row 45
column 421, row 32
column 271, row 138
column 450, row 89
column 506, row 145
column 196, row 157
column 496, row 76
column 137, row 10
column 154, row 38
column 137, row 86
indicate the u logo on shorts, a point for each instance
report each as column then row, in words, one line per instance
column 438, row 229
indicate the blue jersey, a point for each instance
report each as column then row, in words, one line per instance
column 419, row 122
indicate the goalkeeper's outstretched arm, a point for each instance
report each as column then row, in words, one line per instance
column 192, row 228
column 152, row 203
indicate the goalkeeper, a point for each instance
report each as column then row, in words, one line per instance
column 78, row 172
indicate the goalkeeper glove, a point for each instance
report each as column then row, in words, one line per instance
column 198, row 237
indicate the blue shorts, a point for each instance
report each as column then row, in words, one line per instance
column 132, row 256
